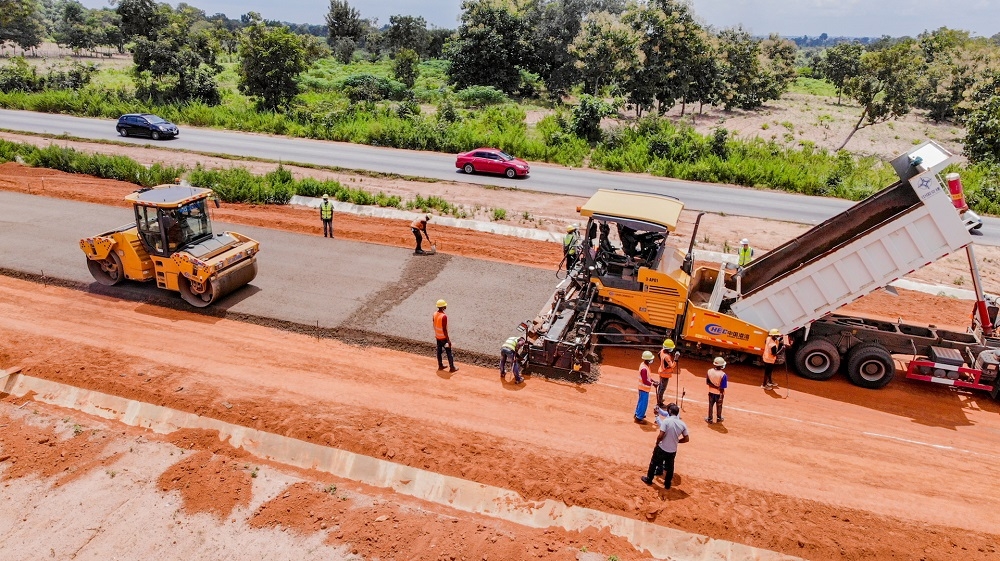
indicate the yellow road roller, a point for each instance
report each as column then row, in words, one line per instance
column 172, row 242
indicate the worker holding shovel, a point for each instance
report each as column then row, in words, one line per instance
column 417, row 226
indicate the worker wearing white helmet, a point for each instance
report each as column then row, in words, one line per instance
column 717, row 380
column 645, row 386
column 774, row 353
column 744, row 253
column 441, row 336
column 571, row 246
column 326, row 215
column 417, row 226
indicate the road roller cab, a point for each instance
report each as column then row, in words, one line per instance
column 172, row 242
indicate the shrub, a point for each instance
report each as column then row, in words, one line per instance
column 481, row 96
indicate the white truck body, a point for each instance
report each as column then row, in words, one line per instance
column 898, row 246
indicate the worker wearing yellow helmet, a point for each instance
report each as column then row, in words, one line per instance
column 668, row 367
column 717, row 380
column 775, row 347
column 645, row 386
column 442, row 338
column 571, row 246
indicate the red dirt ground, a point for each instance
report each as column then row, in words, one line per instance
column 834, row 472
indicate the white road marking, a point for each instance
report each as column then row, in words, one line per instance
column 834, row 427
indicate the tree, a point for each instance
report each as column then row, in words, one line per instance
column 140, row 18
column 605, row 51
column 21, row 23
column 180, row 64
column 752, row 72
column 953, row 62
column 407, row 32
column 982, row 123
column 437, row 37
column 404, row 67
column 553, row 25
column 885, row 86
column 670, row 42
column 587, row 117
column 271, row 59
column 841, row 61
column 344, row 22
column 490, row 48
column 76, row 27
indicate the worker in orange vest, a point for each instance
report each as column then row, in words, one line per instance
column 668, row 367
column 774, row 353
column 442, row 338
column 645, row 386
column 417, row 226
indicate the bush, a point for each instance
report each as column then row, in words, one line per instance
column 481, row 96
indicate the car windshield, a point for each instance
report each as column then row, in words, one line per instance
column 506, row 157
column 154, row 120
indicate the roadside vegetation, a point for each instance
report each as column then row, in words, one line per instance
column 601, row 74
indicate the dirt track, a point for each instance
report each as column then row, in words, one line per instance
column 833, row 472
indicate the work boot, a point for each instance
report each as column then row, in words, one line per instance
column 646, row 481
column 440, row 367
column 709, row 420
column 419, row 252
column 453, row 369
column 519, row 380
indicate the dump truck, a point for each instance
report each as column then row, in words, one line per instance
column 632, row 289
column 171, row 242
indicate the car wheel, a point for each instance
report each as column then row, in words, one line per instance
column 155, row 135
column 469, row 169
column 123, row 131
column 510, row 173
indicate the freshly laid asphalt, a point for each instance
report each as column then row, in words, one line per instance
column 302, row 279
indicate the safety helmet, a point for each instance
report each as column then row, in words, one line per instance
column 442, row 304
column 668, row 344
column 325, row 196
column 774, row 332
column 571, row 228
column 719, row 361
column 647, row 356
column 427, row 216
column 744, row 241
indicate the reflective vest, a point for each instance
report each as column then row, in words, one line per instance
column 510, row 344
column 326, row 210
column 439, row 332
column 667, row 364
column 745, row 255
column 569, row 243
column 644, row 383
column 771, row 349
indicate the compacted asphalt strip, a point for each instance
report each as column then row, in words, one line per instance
column 302, row 279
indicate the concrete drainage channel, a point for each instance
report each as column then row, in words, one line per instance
column 460, row 494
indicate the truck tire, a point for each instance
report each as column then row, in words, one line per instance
column 817, row 359
column 870, row 365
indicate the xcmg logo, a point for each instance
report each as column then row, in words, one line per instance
column 716, row 329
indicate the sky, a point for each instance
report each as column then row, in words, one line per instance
column 850, row 18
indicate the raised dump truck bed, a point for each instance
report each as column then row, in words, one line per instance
column 900, row 229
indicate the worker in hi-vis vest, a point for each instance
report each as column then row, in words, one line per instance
column 571, row 246
column 326, row 215
column 745, row 253
column 442, row 338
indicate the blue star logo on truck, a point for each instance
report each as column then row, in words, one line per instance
column 925, row 183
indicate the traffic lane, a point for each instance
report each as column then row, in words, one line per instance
column 302, row 279
column 544, row 178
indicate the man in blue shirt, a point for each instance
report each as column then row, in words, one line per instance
column 673, row 431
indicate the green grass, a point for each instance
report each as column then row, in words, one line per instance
column 813, row 86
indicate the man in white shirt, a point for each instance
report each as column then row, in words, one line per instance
column 673, row 431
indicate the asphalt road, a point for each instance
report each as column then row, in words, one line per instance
column 544, row 178
column 303, row 279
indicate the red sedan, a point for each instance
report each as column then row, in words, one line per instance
column 491, row 160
